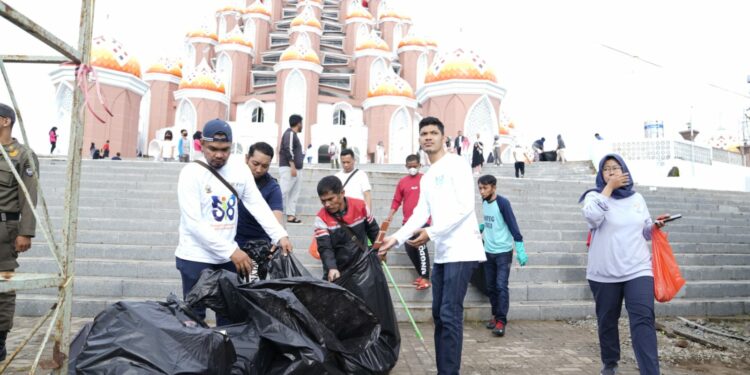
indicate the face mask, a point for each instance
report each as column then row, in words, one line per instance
column 413, row 171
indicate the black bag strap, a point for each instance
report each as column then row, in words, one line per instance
column 352, row 233
column 350, row 177
column 217, row 175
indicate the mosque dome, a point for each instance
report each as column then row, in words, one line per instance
column 108, row 53
column 358, row 11
column 202, row 78
column 504, row 130
column 300, row 51
column 432, row 43
column 373, row 41
column 236, row 37
column 202, row 32
column 230, row 9
column 459, row 64
column 306, row 18
column 412, row 40
column 258, row 8
column 391, row 85
column 166, row 66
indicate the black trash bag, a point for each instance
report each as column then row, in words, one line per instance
column 281, row 267
column 260, row 252
column 365, row 278
column 303, row 325
column 151, row 337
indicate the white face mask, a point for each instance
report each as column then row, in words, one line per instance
column 413, row 171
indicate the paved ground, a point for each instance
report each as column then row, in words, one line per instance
column 529, row 348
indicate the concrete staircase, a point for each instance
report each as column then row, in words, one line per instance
column 129, row 218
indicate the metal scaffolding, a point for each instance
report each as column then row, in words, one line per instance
column 64, row 254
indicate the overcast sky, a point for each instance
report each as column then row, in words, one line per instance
column 549, row 55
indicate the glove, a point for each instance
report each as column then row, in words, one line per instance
column 481, row 228
column 521, row 254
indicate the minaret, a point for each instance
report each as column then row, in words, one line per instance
column 298, row 73
column 412, row 54
column 234, row 60
column 390, row 25
column 201, row 97
column 358, row 24
column 432, row 49
column 462, row 91
column 307, row 24
column 389, row 116
column 257, row 20
column 372, row 60
column 119, row 81
column 163, row 78
column 275, row 8
column 227, row 18
column 200, row 46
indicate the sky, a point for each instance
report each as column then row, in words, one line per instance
column 556, row 59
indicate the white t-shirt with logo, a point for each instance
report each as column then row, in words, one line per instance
column 209, row 211
column 358, row 184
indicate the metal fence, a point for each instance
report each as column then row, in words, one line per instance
column 661, row 150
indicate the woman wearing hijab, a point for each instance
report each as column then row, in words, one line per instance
column 619, row 264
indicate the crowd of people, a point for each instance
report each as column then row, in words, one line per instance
column 228, row 207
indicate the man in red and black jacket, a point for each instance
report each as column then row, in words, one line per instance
column 338, row 249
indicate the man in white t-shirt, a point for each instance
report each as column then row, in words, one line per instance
column 446, row 196
column 209, row 211
column 356, row 184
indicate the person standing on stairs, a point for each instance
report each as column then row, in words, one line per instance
column 291, row 157
column 446, row 196
column 208, row 211
column 619, row 264
column 16, row 217
column 500, row 232
column 407, row 193
column 356, row 183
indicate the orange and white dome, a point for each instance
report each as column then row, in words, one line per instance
column 307, row 18
column 258, row 8
column 504, row 130
column 202, row 32
column 373, row 41
column 412, row 40
column 236, row 37
column 391, row 84
column 166, row 66
column 431, row 43
column 108, row 53
column 459, row 64
column 202, row 78
column 387, row 10
column 229, row 9
column 356, row 10
column 300, row 51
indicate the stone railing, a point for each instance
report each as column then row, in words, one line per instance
column 661, row 150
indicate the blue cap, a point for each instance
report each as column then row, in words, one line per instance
column 214, row 127
column 8, row 112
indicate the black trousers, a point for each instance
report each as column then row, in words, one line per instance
column 420, row 258
column 520, row 166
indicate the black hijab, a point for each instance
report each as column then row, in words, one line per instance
column 619, row 193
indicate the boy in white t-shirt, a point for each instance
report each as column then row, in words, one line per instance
column 356, row 184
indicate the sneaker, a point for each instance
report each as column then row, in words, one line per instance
column 424, row 284
column 499, row 329
column 609, row 371
column 491, row 323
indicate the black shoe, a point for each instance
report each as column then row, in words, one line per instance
column 3, row 349
column 609, row 371
column 499, row 329
column 491, row 323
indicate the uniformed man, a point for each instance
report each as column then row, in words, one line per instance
column 17, row 222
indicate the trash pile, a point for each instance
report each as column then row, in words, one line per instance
column 289, row 324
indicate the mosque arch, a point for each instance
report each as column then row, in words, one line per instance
column 378, row 69
column 363, row 32
column 189, row 56
column 249, row 30
column 186, row 116
column 222, row 27
column 295, row 99
column 342, row 113
column 224, row 71
column 64, row 101
column 398, row 35
column 400, row 133
column 251, row 112
column 143, row 122
column 481, row 119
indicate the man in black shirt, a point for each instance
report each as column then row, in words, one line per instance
column 290, row 163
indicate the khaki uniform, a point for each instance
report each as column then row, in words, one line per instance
column 16, row 218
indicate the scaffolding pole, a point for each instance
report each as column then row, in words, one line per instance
column 66, row 253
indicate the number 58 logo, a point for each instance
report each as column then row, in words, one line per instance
column 223, row 207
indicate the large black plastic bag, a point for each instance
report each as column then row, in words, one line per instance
column 281, row 266
column 150, row 337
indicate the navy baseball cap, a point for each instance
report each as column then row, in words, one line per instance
column 214, row 127
column 8, row 112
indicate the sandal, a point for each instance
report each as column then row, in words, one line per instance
column 294, row 220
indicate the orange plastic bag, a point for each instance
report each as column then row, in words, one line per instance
column 313, row 249
column 667, row 277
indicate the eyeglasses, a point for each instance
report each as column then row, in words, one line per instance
column 611, row 169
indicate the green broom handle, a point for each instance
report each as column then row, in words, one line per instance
column 408, row 313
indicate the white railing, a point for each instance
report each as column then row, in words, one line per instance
column 661, row 150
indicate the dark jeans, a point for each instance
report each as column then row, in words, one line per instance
column 520, row 166
column 639, row 302
column 450, row 282
column 190, row 272
column 496, row 272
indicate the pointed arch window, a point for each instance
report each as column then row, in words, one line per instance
column 378, row 69
column 258, row 116
column 339, row 117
